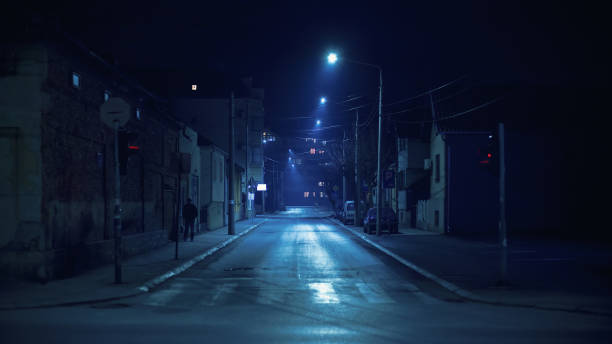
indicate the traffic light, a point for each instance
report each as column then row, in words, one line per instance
column 127, row 147
column 489, row 155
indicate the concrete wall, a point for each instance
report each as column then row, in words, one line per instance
column 60, row 180
column 427, row 209
column 22, row 235
column 212, row 186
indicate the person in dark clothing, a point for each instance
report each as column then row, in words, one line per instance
column 190, row 212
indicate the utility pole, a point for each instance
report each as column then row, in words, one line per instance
column 343, row 170
column 117, row 212
column 502, row 205
column 178, row 200
column 357, row 185
column 378, row 186
column 230, row 210
column 246, row 164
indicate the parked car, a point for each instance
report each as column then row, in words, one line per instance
column 348, row 212
column 388, row 221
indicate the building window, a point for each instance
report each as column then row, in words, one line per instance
column 313, row 151
column 321, row 183
column 437, row 168
column 107, row 95
column 76, row 80
column 138, row 113
column 194, row 87
column 437, row 218
column 321, row 194
column 306, row 193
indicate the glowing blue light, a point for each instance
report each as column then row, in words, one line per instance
column 318, row 122
column 323, row 100
column 292, row 165
column 332, row 58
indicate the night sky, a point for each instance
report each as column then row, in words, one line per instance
column 419, row 45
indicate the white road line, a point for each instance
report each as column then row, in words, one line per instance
column 324, row 293
column 164, row 297
column 373, row 293
column 219, row 292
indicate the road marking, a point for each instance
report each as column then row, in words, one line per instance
column 267, row 295
column 164, row 297
column 219, row 292
column 324, row 293
column 373, row 293
column 423, row 297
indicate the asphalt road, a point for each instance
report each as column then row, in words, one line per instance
column 299, row 281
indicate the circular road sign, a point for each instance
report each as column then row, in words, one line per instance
column 115, row 110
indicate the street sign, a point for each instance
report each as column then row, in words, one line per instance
column 115, row 110
column 261, row 187
column 389, row 179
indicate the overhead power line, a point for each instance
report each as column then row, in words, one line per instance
column 454, row 115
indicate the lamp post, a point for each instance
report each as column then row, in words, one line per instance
column 332, row 58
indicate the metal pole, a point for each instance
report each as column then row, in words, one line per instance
column 230, row 209
column 343, row 171
column 178, row 202
column 117, row 210
column 246, row 164
column 502, row 204
column 378, row 186
column 357, row 186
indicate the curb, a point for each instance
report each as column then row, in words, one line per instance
column 466, row 294
column 147, row 286
column 181, row 268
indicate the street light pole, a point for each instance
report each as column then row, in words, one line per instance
column 378, row 186
column 357, row 184
column 230, row 189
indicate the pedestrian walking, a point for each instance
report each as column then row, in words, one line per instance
column 190, row 212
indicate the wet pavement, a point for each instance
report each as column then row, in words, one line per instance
column 306, row 280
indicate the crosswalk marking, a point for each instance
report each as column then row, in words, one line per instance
column 373, row 293
column 164, row 297
column 324, row 293
column 219, row 292
column 321, row 292
column 424, row 297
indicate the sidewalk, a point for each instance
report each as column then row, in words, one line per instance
column 541, row 272
column 140, row 273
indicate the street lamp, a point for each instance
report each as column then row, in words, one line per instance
column 332, row 58
column 323, row 100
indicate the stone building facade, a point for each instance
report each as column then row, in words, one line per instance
column 57, row 180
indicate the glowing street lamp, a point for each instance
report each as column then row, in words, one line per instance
column 323, row 100
column 332, row 58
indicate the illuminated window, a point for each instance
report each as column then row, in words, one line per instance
column 314, row 194
column 321, row 194
column 321, row 151
column 313, row 151
column 194, row 87
column 107, row 95
column 138, row 113
column 306, row 193
column 321, row 183
column 76, row 80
